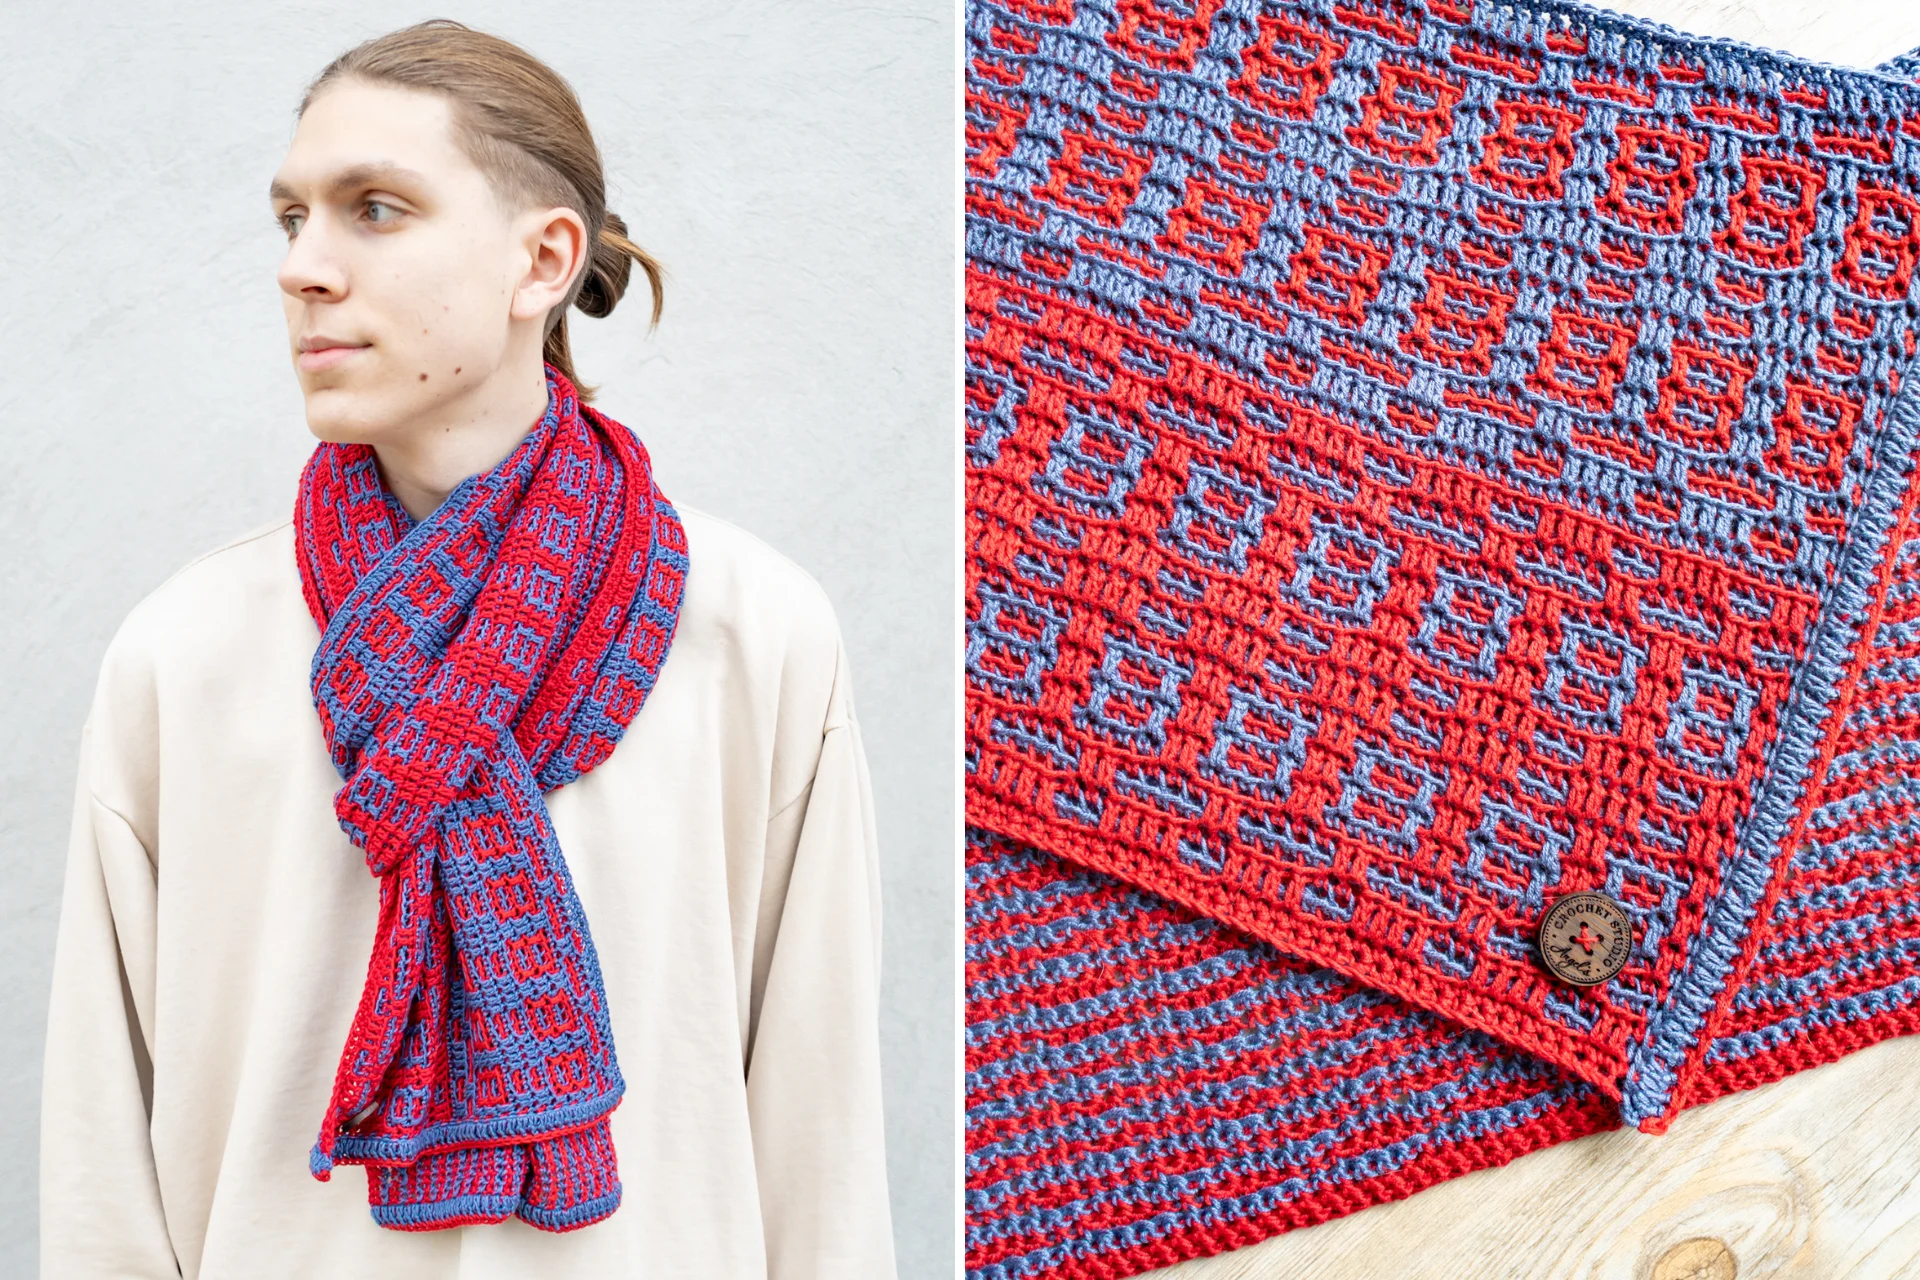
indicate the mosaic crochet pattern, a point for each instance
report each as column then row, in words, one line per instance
column 1143, row 1081
column 467, row 664
column 1426, row 459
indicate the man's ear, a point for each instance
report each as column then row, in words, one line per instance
column 555, row 241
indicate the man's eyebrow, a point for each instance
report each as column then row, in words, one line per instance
column 356, row 175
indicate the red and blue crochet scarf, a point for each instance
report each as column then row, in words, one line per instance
column 467, row 664
column 1428, row 462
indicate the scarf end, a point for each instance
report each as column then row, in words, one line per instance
column 560, row 1183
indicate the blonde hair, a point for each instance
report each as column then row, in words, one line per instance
column 521, row 125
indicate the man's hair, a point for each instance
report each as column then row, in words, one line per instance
column 521, row 125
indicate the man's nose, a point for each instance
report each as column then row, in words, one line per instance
column 311, row 264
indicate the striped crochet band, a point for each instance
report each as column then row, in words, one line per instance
column 1423, row 460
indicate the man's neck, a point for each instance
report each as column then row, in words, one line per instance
column 428, row 462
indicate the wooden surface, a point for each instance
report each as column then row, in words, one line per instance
column 1815, row 1177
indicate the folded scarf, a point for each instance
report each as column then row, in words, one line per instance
column 467, row 664
column 1425, row 461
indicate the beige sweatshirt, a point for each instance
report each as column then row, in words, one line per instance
column 216, row 924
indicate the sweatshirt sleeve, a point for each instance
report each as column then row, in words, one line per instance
column 813, row 1074
column 100, row 1209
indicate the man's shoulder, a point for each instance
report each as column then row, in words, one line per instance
column 737, row 577
column 220, row 632
column 242, row 557
column 222, row 591
column 755, row 616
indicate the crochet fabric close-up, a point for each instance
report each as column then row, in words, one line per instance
column 1424, row 462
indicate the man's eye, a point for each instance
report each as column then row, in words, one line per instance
column 288, row 221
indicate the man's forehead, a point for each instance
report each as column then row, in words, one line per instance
column 287, row 185
column 367, row 133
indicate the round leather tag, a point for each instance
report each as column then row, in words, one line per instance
column 1584, row 938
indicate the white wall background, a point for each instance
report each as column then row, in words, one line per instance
column 793, row 167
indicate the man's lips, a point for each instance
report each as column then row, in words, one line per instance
column 326, row 358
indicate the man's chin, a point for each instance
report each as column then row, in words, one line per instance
column 338, row 415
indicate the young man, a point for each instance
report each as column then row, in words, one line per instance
column 597, row 749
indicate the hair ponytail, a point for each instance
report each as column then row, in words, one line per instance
column 599, row 288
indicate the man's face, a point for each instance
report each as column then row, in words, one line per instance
column 397, row 248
